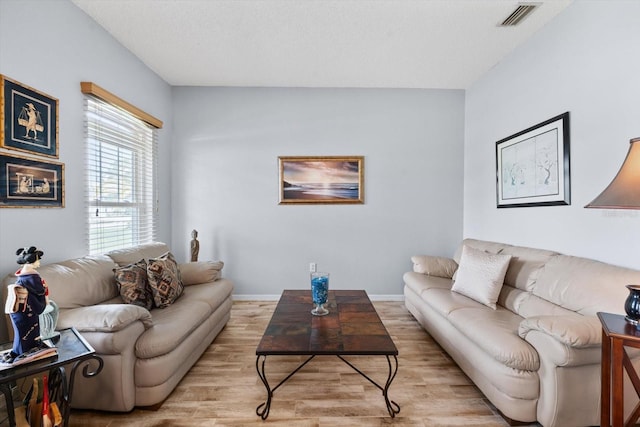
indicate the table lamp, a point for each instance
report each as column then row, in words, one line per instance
column 624, row 193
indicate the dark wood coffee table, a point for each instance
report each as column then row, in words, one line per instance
column 352, row 328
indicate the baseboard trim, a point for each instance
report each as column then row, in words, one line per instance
column 269, row 297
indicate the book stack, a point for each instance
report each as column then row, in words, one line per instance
column 37, row 353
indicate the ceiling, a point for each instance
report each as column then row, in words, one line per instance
column 444, row 44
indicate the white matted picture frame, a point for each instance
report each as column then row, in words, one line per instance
column 533, row 166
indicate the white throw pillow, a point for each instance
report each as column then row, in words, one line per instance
column 480, row 275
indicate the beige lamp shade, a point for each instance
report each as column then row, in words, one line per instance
column 624, row 190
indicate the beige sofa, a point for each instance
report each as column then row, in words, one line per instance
column 146, row 353
column 536, row 357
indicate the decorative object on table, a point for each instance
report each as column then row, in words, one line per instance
column 25, row 316
column 624, row 193
column 319, row 292
column 321, row 180
column 195, row 246
column 532, row 166
column 32, row 183
column 48, row 321
column 632, row 305
column 29, row 119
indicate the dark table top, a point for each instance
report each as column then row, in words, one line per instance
column 352, row 327
column 71, row 347
column 615, row 325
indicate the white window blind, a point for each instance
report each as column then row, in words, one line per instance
column 121, row 164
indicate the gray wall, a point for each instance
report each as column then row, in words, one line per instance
column 586, row 61
column 52, row 46
column 225, row 182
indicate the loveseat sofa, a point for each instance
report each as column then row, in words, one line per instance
column 146, row 352
column 537, row 355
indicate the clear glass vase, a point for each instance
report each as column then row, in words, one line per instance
column 319, row 293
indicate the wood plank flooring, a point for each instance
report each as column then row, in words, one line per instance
column 223, row 388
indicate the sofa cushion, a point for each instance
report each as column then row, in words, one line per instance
column 164, row 280
column 444, row 302
column 173, row 324
column 585, row 286
column 496, row 332
column 480, row 275
column 133, row 285
column 525, row 266
column 80, row 282
column 104, row 317
column 419, row 282
column 483, row 245
column 512, row 298
column 128, row 256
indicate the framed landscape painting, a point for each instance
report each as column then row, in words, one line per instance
column 532, row 166
column 321, row 180
column 29, row 119
column 30, row 183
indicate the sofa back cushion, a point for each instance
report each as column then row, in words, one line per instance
column 584, row 285
column 80, row 282
column 483, row 245
column 525, row 266
column 124, row 257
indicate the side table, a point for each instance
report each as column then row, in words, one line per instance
column 617, row 334
column 72, row 350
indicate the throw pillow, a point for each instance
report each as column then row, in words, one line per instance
column 480, row 275
column 132, row 284
column 164, row 280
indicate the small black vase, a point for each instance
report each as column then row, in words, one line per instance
column 632, row 304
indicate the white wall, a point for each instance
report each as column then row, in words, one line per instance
column 586, row 61
column 52, row 46
column 225, row 182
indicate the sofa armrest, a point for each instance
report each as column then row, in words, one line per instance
column 195, row 273
column 434, row 266
column 104, row 317
column 573, row 331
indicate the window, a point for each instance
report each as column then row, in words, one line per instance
column 121, row 159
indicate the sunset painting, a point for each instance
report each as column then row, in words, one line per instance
column 321, row 179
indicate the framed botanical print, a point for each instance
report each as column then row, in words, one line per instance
column 532, row 166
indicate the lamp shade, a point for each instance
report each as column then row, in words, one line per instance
column 624, row 190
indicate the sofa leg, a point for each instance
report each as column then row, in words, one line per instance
column 155, row 407
column 512, row 422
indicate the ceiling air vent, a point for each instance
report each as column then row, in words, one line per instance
column 522, row 11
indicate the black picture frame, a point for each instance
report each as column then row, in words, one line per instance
column 29, row 119
column 533, row 166
column 30, row 183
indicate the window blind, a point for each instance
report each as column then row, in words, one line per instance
column 121, row 163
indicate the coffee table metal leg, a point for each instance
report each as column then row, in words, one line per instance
column 392, row 406
column 263, row 409
column 264, row 413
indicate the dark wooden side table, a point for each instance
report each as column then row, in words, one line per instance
column 72, row 350
column 617, row 334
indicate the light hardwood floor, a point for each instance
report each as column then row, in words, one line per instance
column 223, row 389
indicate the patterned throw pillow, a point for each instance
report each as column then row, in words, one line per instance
column 164, row 280
column 132, row 284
